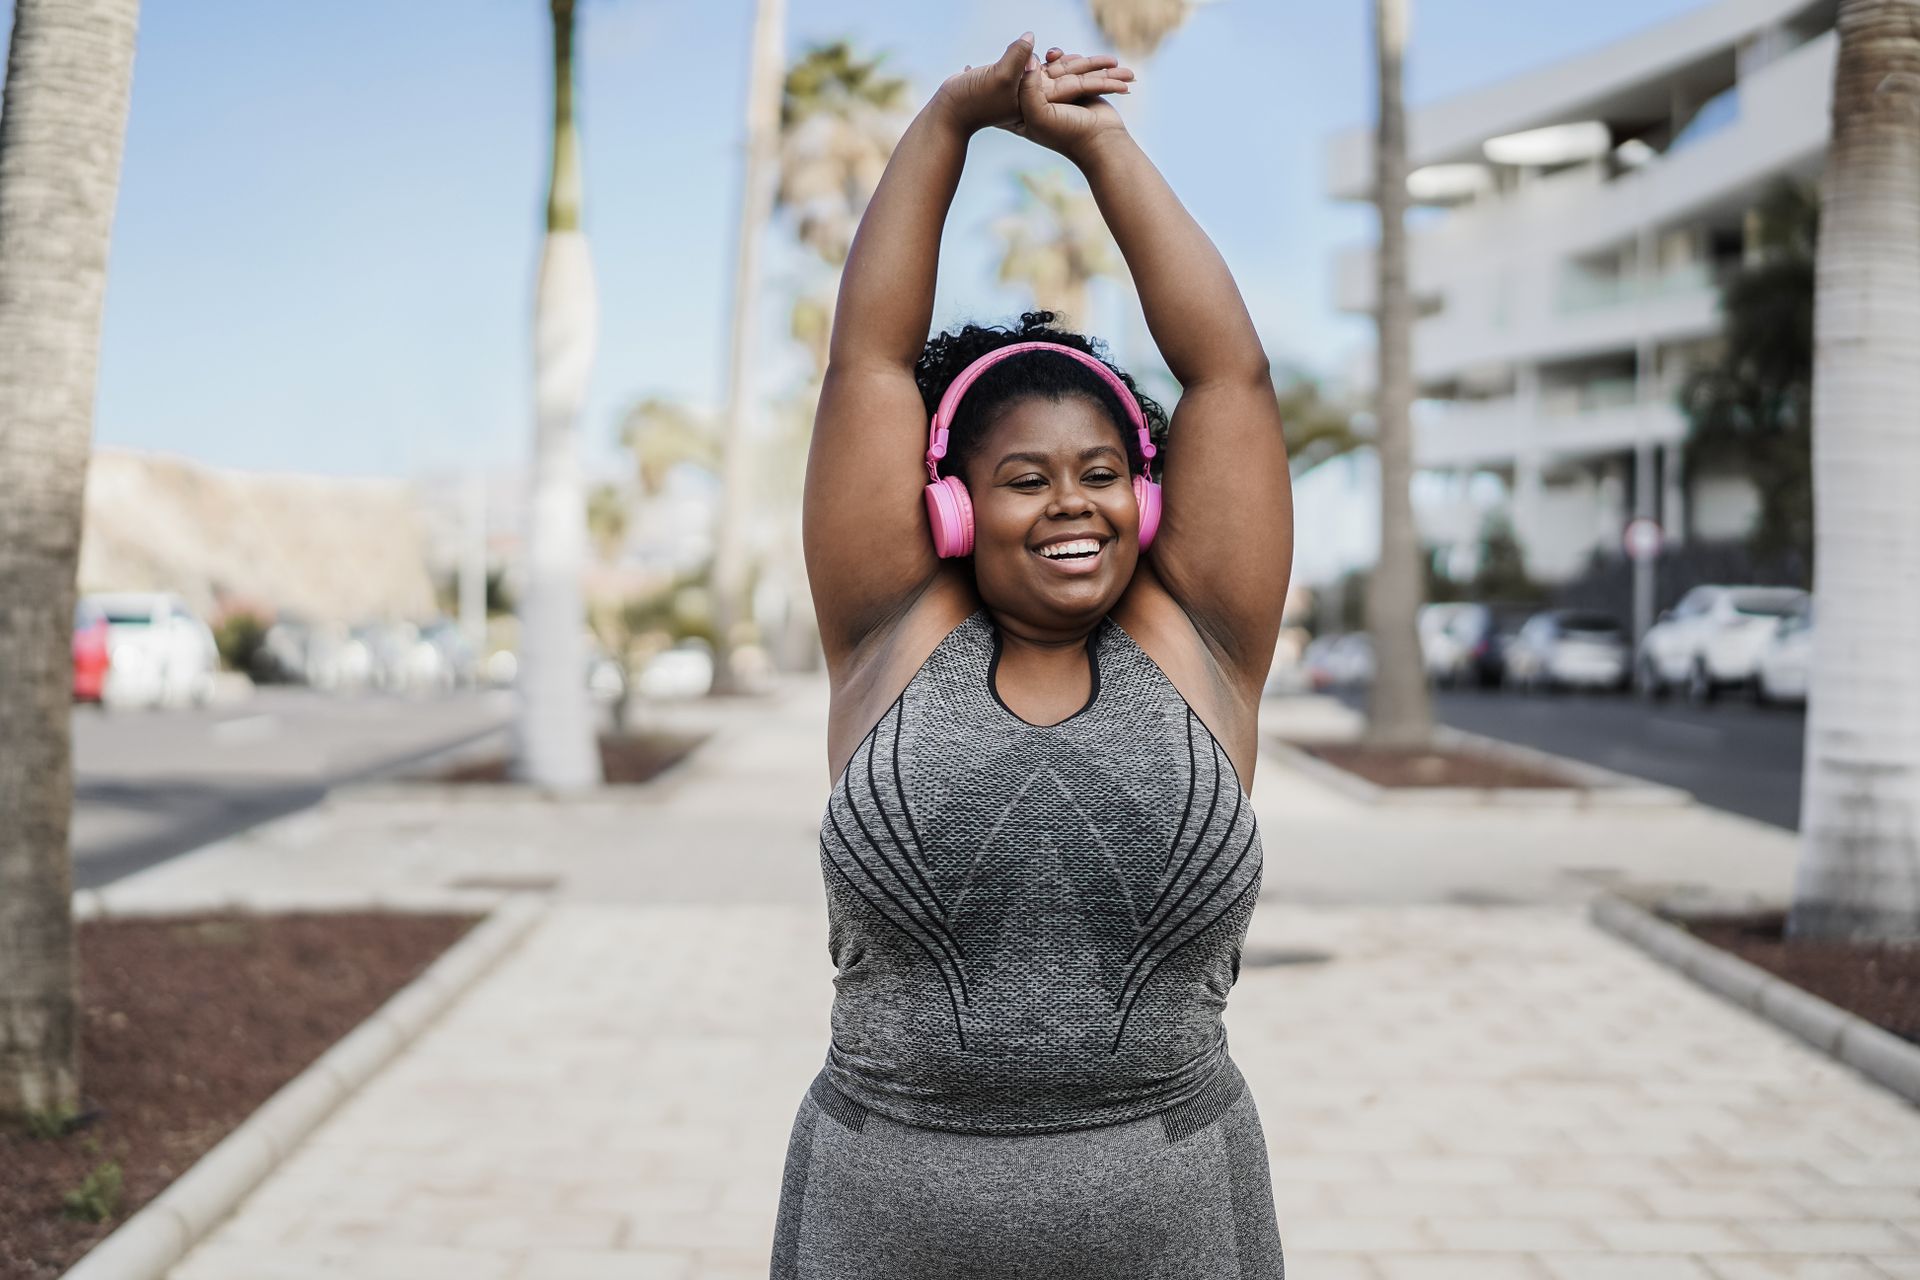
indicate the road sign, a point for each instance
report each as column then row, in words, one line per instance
column 1642, row 538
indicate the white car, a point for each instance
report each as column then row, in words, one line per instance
column 1711, row 639
column 684, row 671
column 159, row 654
column 1564, row 648
column 1786, row 659
column 1443, row 640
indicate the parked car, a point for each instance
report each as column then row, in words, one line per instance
column 1564, row 648
column 284, row 655
column 90, row 658
column 684, row 671
column 1473, row 648
column 1786, row 660
column 458, row 655
column 1711, row 639
column 159, row 654
column 1443, row 648
column 1340, row 661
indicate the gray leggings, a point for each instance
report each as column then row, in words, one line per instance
column 1181, row 1195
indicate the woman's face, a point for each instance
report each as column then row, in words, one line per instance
column 1052, row 471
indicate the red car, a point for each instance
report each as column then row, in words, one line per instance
column 89, row 652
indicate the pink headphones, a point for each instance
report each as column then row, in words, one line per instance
column 950, row 509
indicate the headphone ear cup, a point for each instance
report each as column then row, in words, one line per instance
column 950, row 513
column 1146, row 493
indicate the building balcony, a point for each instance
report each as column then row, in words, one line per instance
column 1500, row 278
column 1568, row 425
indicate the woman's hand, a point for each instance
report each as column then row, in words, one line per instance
column 988, row 96
column 1062, row 106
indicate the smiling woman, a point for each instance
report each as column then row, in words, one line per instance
column 1039, row 850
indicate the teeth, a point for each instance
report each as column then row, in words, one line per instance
column 1082, row 547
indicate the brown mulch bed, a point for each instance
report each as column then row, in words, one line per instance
column 1432, row 767
column 626, row 760
column 188, row 1024
column 1879, row 981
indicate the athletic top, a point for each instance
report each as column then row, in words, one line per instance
column 1035, row 927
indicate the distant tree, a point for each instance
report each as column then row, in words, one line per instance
column 62, row 128
column 1859, row 868
column 840, row 118
column 1056, row 243
column 607, row 520
column 555, row 743
column 1136, row 27
column 765, row 82
column 1502, row 572
column 1399, row 705
column 1751, row 408
column 1317, row 428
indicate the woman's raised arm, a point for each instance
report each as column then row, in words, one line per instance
column 1224, row 549
column 863, row 522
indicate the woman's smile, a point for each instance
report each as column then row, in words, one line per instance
column 1077, row 557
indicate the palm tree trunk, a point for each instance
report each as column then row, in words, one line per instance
column 1399, row 711
column 1859, row 869
column 62, row 128
column 556, row 746
column 765, row 75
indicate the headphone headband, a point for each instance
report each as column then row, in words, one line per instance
column 950, row 401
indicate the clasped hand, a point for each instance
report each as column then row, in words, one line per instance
column 1057, row 102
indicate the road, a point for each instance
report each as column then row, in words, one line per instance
column 1732, row 755
column 150, row 785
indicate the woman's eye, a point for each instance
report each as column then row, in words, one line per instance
column 1028, row 482
column 1102, row 477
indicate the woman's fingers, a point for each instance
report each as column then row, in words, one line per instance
column 1069, row 87
column 1068, row 64
column 1017, row 58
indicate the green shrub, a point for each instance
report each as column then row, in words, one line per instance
column 97, row 1198
column 238, row 638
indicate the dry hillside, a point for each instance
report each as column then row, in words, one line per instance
column 329, row 548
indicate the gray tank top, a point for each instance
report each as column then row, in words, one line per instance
column 1035, row 927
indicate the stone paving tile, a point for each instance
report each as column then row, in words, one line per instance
column 1459, row 1090
column 1623, row 1266
column 1459, row 1266
column 1769, row 1267
column 606, row 1264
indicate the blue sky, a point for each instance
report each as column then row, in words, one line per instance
column 330, row 213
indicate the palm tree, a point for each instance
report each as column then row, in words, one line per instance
column 1318, row 430
column 62, row 129
column 764, row 84
column 555, row 740
column 1056, row 244
column 660, row 434
column 1859, row 870
column 1136, row 27
column 840, row 119
column 1399, row 710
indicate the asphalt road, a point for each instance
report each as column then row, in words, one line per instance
column 151, row 785
column 1732, row 755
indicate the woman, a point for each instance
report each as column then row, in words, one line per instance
column 1039, row 856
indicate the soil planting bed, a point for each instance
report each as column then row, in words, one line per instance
column 627, row 760
column 188, row 1024
column 1432, row 767
column 1878, row 981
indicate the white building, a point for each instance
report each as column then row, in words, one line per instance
column 1570, row 227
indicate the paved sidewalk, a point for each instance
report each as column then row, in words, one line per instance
column 1457, row 1089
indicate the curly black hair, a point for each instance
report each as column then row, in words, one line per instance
column 1036, row 374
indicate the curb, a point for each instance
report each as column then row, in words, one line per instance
column 1592, row 788
column 156, row 1237
column 1877, row 1054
